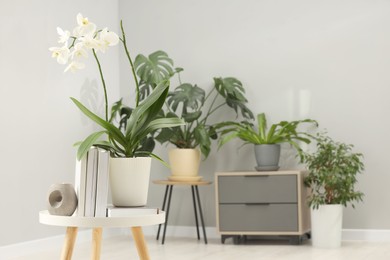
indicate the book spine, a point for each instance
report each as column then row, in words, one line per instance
column 90, row 187
column 102, row 183
column 80, row 179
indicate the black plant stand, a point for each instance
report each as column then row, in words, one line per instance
column 196, row 201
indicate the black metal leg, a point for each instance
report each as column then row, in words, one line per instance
column 201, row 214
column 196, row 213
column 163, row 208
column 167, row 213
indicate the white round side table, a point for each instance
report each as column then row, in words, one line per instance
column 144, row 217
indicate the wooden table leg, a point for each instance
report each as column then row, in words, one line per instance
column 70, row 238
column 140, row 243
column 96, row 243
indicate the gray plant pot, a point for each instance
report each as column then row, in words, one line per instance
column 267, row 157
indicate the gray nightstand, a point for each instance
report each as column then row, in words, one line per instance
column 262, row 204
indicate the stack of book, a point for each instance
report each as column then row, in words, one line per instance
column 91, row 183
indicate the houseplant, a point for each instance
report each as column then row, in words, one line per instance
column 333, row 169
column 266, row 141
column 122, row 143
column 191, row 103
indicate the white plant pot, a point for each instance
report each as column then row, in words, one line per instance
column 326, row 224
column 184, row 162
column 129, row 181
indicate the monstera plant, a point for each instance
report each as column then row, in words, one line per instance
column 192, row 104
column 186, row 101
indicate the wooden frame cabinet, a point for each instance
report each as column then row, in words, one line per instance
column 262, row 204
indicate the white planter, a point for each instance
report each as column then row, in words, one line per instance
column 184, row 162
column 129, row 181
column 326, row 224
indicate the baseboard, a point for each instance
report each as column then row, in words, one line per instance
column 45, row 244
column 180, row 231
column 369, row 235
column 35, row 246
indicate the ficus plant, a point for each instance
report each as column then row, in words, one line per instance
column 333, row 170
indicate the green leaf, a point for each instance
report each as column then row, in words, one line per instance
column 227, row 138
column 190, row 117
column 147, row 144
column 213, row 133
column 160, row 123
column 147, row 110
column 262, row 125
column 234, row 93
column 165, row 135
column 152, row 70
column 203, row 139
column 190, row 96
column 115, row 108
column 239, row 106
column 112, row 131
column 87, row 143
column 230, row 87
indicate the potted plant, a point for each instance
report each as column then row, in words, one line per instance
column 125, row 145
column 266, row 141
column 195, row 107
column 332, row 176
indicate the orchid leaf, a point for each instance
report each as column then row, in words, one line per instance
column 88, row 143
column 112, row 131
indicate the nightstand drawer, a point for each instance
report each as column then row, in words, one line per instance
column 257, row 189
column 257, row 217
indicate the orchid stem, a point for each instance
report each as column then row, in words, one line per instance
column 131, row 64
column 104, row 84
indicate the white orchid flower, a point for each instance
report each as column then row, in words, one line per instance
column 85, row 27
column 74, row 66
column 79, row 51
column 64, row 36
column 89, row 42
column 60, row 53
column 109, row 38
column 105, row 39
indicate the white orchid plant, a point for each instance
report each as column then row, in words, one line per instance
column 143, row 120
column 75, row 47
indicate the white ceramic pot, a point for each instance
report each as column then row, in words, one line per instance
column 326, row 224
column 129, row 181
column 184, row 162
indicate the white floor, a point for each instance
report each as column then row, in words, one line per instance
column 122, row 247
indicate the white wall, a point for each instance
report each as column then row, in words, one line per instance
column 39, row 123
column 327, row 60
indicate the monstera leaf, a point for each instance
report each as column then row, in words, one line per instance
column 233, row 91
column 191, row 96
column 203, row 139
column 152, row 70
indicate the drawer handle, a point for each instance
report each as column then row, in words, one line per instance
column 265, row 175
column 257, row 204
